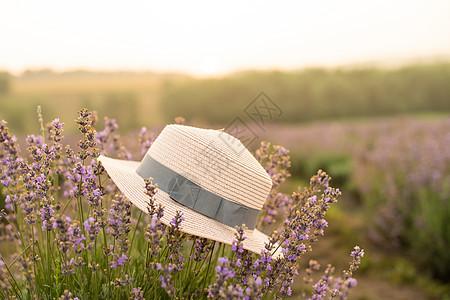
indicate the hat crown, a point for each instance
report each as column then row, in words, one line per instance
column 214, row 160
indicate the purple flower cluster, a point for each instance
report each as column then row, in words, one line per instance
column 221, row 289
column 119, row 222
column 407, row 171
column 10, row 166
column 304, row 224
column 91, row 226
column 154, row 233
column 88, row 144
column 202, row 247
column 174, row 242
column 56, row 130
column 166, row 277
column 226, row 285
column 118, row 261
column 276, row 164
column 109, row 141
column 122, row 281
column 67, row 296
column 137, row 294
column 145, row 140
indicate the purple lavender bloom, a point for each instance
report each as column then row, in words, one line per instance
column 47, row 212
column 87, row 223
column 57, row 124
column 121, row 260
column 351, row 282
column 358, row 252
column 176, row 221
column 118, row 261
column 137, row 294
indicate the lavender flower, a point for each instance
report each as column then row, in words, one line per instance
column 276, row 164
column 67, row 267
column 118, row 261
column 88, row 144
column 67, row 296
column 137, row 294
column 91, row 227
column 357, row 254
column 166, row 278
column 145, row 140
column 109, row 141
column 122, row 281
column 119, row 222
column 47, row 211
column 202, row 247
column 175, row 243
column 155, row 229
column 56, row 130
column 220, row 287
column 154, row 233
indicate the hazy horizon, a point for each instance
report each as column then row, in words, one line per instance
column 386, row 64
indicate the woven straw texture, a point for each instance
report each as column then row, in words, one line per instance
column 212, row 159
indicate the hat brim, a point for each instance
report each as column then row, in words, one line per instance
column 123, row 173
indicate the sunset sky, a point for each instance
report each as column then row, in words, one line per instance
column 207, row 37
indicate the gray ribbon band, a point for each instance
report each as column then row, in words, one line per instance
column 191, row 195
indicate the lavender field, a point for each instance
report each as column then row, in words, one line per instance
column 395, row 174
column 392, row 171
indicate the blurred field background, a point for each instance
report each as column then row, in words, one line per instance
column 307, row 95
column 382, row 133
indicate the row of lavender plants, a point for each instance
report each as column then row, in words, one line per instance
column 398, row 171
column 405, row 180
column 74, row 236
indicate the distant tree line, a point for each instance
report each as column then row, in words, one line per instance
column 5, row 82
column 314, row 94
column 50, row 73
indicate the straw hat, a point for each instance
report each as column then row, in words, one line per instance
column 206, row 174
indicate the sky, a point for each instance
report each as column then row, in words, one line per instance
column 211, row 37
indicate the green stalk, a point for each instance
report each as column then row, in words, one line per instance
column 67, row 204
column 105, row 241
column 207, row 267
column 145, row 265
column 107, row 259
column 15, row 259
column 80, row 205
column 15, row 285
column 17, row 232
column 79, row 191
column 49, row 267
column 187, row 282
column 56, row 184
column 41, row 122
column 19, row 217
column 34, row 252
column 134, row 232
